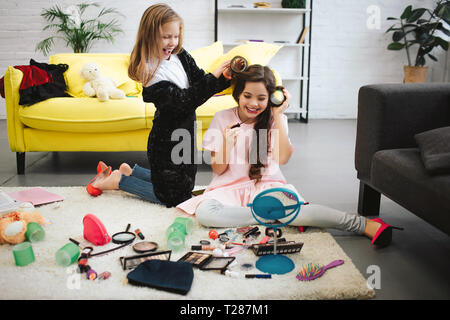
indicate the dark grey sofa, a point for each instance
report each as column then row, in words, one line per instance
column 387, row 157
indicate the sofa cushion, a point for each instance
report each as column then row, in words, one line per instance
column 434, row 148
column 88, row 115
column 255, row 53
column 111, row 65
column 400, row 174
column 206, row 56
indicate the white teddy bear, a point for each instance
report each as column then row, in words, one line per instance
column 98, row 85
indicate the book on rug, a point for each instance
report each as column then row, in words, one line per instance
column 36, row 196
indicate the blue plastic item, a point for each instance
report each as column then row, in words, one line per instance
column 274, row 204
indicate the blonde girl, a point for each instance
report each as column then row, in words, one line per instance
column 176, row 86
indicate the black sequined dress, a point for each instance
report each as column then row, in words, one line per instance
column 175, row 111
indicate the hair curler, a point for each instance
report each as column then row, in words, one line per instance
column 237, row 64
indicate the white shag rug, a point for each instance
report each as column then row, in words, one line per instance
column 45, row 279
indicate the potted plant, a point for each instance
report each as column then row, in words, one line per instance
column 78, row 33
column 420, row 26
column 293, row 4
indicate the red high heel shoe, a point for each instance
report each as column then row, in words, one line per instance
column 101, row 166
column 93, row 191
column 383, row 236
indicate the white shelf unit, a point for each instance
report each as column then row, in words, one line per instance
column 276, row 25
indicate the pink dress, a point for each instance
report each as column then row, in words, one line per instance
column 234, row 187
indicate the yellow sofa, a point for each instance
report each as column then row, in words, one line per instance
column 80, row 123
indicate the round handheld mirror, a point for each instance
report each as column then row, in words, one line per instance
column 123, row 237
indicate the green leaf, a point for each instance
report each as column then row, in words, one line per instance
column 432, row 57
column 441, row 42
column 397, row 36
column 444, row 30
column 416, row 14
column 392, row 28
column 406, row 13
column 45, row 45
column 396, row 46
column 392, row 18
column 420, row 62
column 443, row 11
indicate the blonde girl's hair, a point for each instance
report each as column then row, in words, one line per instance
column 145, row 57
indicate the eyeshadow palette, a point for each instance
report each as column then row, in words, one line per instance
column 197, row 259
column 131, row 262
column 218, row 263
column 205, row 261
column 282, row 248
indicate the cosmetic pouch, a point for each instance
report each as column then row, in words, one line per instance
column 94, row 231
column 164, row 275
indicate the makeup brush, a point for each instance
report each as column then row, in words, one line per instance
column 313, row 271
column 239, row 124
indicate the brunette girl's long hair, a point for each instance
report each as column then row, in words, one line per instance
column 259, row 147
column 145, row 57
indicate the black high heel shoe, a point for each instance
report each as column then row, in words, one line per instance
column 383, row 236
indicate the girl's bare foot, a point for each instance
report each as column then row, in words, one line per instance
column 108, row 182
column 125, row 169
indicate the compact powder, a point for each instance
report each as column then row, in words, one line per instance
column 145, row 246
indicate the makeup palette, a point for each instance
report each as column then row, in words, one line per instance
column 145, row 246
column 282, row 248
column 131, row 262
column 205, row 261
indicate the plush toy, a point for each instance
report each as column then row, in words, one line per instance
column 14, row 225
column 98, row 85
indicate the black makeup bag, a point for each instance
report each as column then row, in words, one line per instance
column 164, row 275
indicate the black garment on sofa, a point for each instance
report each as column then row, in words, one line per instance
column 41, row 81
column 56, row 87
column 175, row 110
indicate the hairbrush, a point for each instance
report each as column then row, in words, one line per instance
column 313, row 271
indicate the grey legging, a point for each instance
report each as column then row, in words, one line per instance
column 212, row 213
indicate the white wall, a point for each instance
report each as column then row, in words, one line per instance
column 346, row 54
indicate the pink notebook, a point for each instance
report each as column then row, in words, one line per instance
column 36, row 196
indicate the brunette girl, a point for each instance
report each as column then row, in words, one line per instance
column 245, row 160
